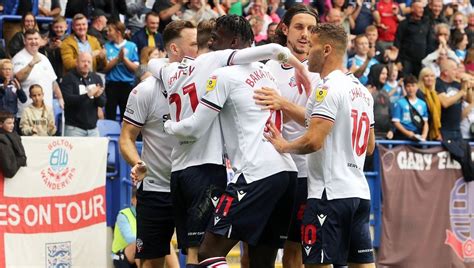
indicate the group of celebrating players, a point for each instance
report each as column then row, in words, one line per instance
column 236, row 150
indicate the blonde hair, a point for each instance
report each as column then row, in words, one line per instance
column 5, row 61
column 145, row 54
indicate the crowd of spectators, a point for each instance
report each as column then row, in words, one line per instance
column 416, row 57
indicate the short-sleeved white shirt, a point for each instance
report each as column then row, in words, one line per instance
column 231, row 91
column 147, row 108
column 338, row 166
column 286, row 83
column 42, row 74
column 185, row 84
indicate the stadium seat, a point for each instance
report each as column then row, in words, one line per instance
column 111, row 129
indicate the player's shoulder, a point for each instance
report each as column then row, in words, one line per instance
column 155, row 65
column 147, row 88
column 336, row 80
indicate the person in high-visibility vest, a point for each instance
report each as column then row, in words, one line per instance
column 125, row 235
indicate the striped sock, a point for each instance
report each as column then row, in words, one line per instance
column 214, row 262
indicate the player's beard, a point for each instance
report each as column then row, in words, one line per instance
column 296, row 50
column 316, row 62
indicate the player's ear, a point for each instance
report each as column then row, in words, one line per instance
column 327, row 50
column 283, row 28
column 174, row 48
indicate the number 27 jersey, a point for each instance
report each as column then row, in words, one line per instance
column 185, row 83
column 338, row 166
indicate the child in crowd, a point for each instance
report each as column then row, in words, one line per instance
column 37, row 119
column 12, row 153
column 394, row 86
column 7, row 122
column 410, row 114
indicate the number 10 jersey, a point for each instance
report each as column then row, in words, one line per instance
column 338, row 166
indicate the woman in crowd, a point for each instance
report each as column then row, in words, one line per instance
column 122, row 63
column 459, row 43
column 427, row 92
column 146, row 55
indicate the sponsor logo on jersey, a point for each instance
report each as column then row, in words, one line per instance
column 211, row 83
column 321, row 93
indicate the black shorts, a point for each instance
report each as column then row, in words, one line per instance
column 155, row 224
column 257, row 213
column 294, row 231
column 337, row 231
column 195, row 192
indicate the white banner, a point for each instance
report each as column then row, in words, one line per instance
column 53, row 212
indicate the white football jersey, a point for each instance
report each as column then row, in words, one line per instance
column 185, row 84
column 286, row 83
column 147, row 108
column 338, row 165
column 230, row 90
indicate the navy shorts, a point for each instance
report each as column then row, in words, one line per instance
column 195, row 192
column 337, row 231
column 294, row 231
column 155, row 224
column 257, row 213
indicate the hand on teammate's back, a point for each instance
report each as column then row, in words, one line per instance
column 268, row 98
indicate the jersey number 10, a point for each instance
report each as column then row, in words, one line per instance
column 359, row 123
column 176, row 99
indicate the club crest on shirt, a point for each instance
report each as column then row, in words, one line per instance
column 321, row 93
column 211, row 83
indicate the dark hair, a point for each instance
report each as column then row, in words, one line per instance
column 410, row 79
column 174, row 28
column 344, row 5
column 118, row 26
column 374, row 75
column 456, row 37
column 332, row 34
column 296, row 9
column 236, row 25
column 30, row 32
column 204, row 30
column 4, row 115
column 151, row 13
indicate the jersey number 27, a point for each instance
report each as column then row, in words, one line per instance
column 189, row 90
